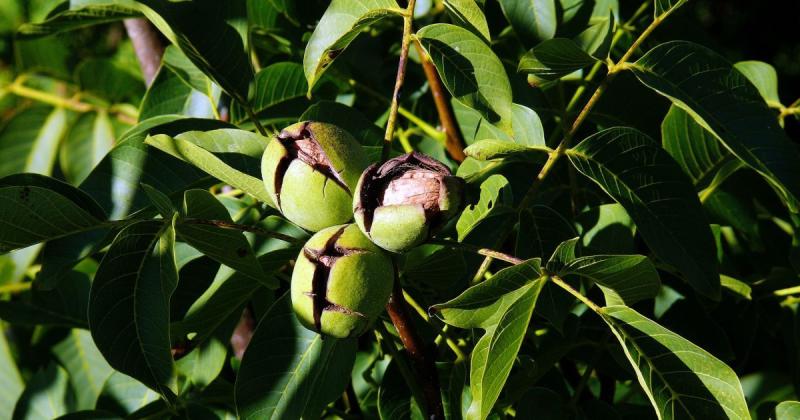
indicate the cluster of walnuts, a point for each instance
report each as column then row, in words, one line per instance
column 318, row 177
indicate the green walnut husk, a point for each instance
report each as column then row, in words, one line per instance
column 400, row 204
column 341, row 282
column 310, row 170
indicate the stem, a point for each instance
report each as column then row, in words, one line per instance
column 353, row 408
column 613, row 70
column 18, row 89
column 15, row 287
column 454, row 143
column 408, row 19
column 255, row 120
column 586, row 301
column 428, row 129
column 147, row 45
column 424, row 315
column 244, row 228
column 423, row 360
column 479, row 250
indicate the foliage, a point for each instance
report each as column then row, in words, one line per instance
column 628, row 248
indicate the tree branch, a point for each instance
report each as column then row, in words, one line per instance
column 424, row 361
column 453, row 140
column 147, row 45
column 408, row 19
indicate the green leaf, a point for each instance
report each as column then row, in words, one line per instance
column 494, row 354
column 554, row 59
column 127, row 393
column 87, row 369
column 66, row 18
column 495, row 192
column 348, row 118
column 204, row 363
column 228, row 293
column 490, row 149
column 278, row 83
column 238, row 147
column 115, row 182
column 624, row 279
column 179, row 88
column 541, row 230
column 226, row 246
column 565, row 253
column 160, row 201
column 679, row 378
column 596, row 39
column 46, row 395
column 300, row 378
column 787, row 410
column 666, row 7
column 129, row 304
column 200, row 30
column 10, row 379
column 532, row 20
column 339, row 26
column 640, row 175
column 607, row 228
column 695, row 149
column 34, row 209
column 764, row 77
column 528, row 129
column 65, row 305
column 736, row 286
column 89, row 139
column 109, row 79
column 29, row 141
column 483, row 305
column 470, row 70
column 725, row 103
column 469, row 15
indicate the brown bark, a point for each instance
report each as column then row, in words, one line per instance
column 148, row 46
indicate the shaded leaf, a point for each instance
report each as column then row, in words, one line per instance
column 348, row 118
column 227, row 246
column 10, row 380
column 29, row 141
column 35, row 209
column 129, row 304
column 127, row 393
column 541, row 229
column 554, row 59
column 695, row 149
column 725, row 103
column 298, row 380
column 89, row 139
column 640, row 175
column 46, row 396
column 87, row 369
column 66, row 18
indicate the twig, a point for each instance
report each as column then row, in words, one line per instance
column 408, row 19
column 147, row 45
column 460, row 356
column 424, row 362
column 244, row 228
column 454, row 143
column 19, row 89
